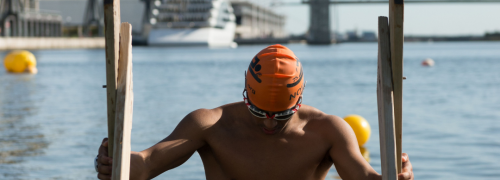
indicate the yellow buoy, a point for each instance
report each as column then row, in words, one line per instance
column 360, row 127
column 20, row 61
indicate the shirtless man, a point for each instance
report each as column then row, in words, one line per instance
column 268, row 135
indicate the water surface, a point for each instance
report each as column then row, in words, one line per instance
column 52, row 123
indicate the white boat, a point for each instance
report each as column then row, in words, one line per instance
column 192, row 22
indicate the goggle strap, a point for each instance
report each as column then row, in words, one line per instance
column 296, row 108
column 246, row 102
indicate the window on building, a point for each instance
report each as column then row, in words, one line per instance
column 238, row 20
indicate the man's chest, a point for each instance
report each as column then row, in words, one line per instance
column 240, row 154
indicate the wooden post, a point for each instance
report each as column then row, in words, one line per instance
column 385, row 103
column 396, row 17
column 124, row 106
column 112, row 30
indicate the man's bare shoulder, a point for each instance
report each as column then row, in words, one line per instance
column 315, row 115
column 206, row 118
column 326, row 124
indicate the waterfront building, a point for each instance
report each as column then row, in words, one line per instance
column 23, row 18
column 252, row 21
column 352, row 35
column 76, row 14
column 364, row 36
column 257, row 22
column 368, row 36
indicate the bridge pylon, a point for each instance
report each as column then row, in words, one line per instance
column 319, row 27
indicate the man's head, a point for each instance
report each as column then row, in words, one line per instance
column 274, row 80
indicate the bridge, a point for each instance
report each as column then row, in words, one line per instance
column 23, row 18
column 319, row 18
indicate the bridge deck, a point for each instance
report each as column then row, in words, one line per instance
column 405, row 1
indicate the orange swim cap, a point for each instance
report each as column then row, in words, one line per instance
column 274, row 79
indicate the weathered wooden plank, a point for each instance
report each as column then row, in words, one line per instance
column 385, row 103
column 124, row 106
column 396, row 18
column 112, row 30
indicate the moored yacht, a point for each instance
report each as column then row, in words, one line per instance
column 192, row 22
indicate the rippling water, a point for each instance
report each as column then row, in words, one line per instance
column 52, row 123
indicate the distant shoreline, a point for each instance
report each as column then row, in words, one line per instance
column 438, row 38
column 98, row 42
column 13, row 43
column 487, row 37
column 409, row 38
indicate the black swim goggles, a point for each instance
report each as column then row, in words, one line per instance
column 259, row 113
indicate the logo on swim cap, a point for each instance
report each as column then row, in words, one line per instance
column 257, row 67
column 298, row 81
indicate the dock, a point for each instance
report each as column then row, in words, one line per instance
column 13, row 43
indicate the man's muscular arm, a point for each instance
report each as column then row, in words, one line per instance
column 345, row 152
column 169, row 153
column 347, row 158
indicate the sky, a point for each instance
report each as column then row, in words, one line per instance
column 448, row 19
